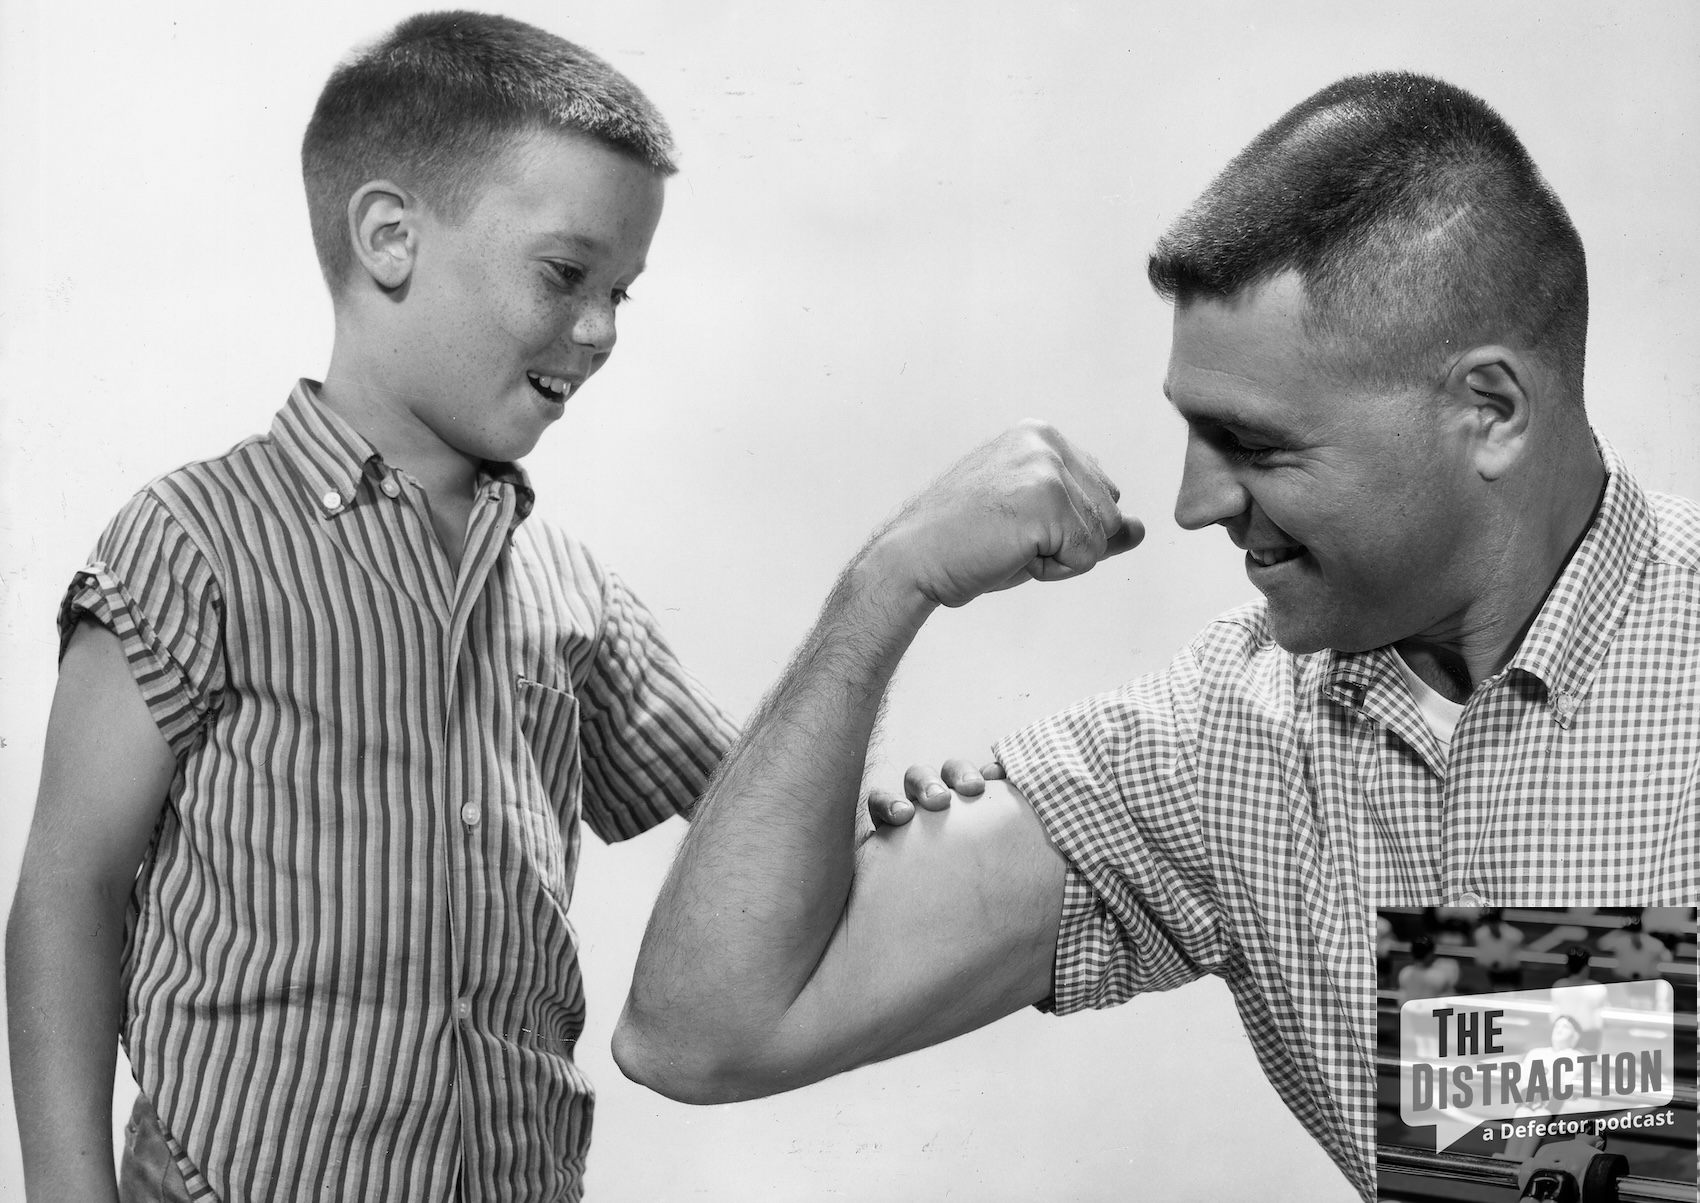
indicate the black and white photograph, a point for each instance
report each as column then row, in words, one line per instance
column 822, row 747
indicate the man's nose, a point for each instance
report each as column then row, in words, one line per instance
column 1210, row 490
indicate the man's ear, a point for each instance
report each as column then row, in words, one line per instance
column 1495, row 389
column 383, row 223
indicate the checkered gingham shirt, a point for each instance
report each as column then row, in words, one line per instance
column 350, row 971
column 1245, row 812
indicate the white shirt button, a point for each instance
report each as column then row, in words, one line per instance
column 470, row 814
column 331, row 500
column 463, row 1008
column 390, row 487
column 1470, row 898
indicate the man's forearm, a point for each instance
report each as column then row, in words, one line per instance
column 764, row 875
column 774, row 956
column 63, row 944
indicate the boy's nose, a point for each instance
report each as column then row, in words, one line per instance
column 1210, row 491
column 593, row 327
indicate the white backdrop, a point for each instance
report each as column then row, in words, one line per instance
column 899, row 227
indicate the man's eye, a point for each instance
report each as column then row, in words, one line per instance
column 1247, row 455
column 1244, row 453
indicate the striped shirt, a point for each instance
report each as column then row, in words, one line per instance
column 349, row 970
column 1246, row 811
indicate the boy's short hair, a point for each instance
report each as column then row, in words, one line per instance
column 435, row 101
column 1414, row 217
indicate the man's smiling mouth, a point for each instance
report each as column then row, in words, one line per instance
column 1269, row 557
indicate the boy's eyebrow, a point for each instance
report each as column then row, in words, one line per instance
column 584, row 242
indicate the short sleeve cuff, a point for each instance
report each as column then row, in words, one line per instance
column 178, row 709
column 1131, row 923
column 1080, row 966
column 1075, row 974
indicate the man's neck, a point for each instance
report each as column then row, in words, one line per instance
column 1541, row 537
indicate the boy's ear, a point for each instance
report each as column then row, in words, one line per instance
column 382, row 221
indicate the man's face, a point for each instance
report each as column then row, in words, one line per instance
column 511, row 309
column 1351, row 501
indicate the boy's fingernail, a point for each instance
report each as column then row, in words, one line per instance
column 935, row 791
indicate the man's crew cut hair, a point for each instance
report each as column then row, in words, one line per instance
column 436, row 101
column 1416, row 220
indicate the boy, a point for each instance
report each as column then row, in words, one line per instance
column 344, row 704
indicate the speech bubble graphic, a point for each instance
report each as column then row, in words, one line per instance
column 1537, row 1057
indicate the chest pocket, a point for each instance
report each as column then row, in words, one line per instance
column 549, row 825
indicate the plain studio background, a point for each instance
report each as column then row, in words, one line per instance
column 899, row 228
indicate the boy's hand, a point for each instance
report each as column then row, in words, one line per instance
column 1026, row 506
column 930, row 789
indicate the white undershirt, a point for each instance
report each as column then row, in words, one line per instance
column 1439, row 712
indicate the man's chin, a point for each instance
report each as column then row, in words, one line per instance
column 1311, row 632
column 1300, row 643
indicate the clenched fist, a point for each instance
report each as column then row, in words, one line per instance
column 1026, row 506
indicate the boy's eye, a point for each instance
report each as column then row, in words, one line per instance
column 567, row 274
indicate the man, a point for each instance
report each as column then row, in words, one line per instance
column 1471, row 618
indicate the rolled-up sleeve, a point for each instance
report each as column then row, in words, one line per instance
column 151, row 586
column 1113, row 780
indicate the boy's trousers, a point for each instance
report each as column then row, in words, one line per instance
column 148, row 1173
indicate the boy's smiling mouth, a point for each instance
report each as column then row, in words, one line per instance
column 551, row 388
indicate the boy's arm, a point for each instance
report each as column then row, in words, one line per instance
column 105, row 775
column 778, row 954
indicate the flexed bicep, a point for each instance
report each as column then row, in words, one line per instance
column 952, row 924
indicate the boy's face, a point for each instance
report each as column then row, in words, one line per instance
column 509, row 311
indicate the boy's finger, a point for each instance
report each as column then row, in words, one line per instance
column 922, row 786
column 993, row 772
column 886, row 809
column 962, row 777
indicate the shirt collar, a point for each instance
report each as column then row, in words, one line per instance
column 1579, row 618
column 327, row 455
column 330, row 458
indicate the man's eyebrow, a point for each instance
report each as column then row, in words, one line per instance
column 1228, row 417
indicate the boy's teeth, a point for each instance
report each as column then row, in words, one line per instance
column 549, row 382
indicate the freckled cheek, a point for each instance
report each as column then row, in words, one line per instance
column 530, row 323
